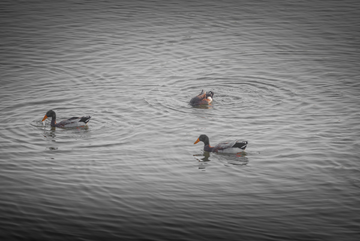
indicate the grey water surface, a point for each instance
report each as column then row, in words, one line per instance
column 286, row 78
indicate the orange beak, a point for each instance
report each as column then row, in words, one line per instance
column 45, row 117
column 196, row 141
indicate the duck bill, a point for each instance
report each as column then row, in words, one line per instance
column 196, row 141
column 45, row 117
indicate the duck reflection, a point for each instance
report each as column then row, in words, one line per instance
column 50, row 136
column 203, row 161
column 239, row 158
column 50, row 133
column 205, row 158
column 208, row 106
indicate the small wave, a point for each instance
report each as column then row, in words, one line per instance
column 246, row 92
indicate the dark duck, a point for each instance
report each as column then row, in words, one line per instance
column 203, row 98
column 72, row 122
column 225, row 146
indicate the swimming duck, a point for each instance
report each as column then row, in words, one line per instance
column 203, row 98
column 221, row 146
column 72, row 122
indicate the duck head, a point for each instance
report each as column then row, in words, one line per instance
column 209, row 94
column 51, row 114
column 203, row 138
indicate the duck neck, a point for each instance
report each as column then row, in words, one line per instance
column 206, row 142
column 53, row 120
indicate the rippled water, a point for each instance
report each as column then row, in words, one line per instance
column 285, row 76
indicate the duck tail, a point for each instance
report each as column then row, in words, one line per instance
column 85, row 119
column 241, row 144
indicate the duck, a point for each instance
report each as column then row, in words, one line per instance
column 203, row 98
column 233, row 145
column 72, row 122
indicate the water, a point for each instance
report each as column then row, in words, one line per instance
column 285, row 77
